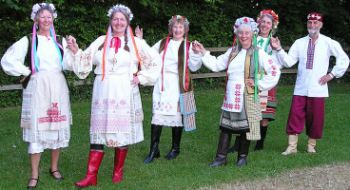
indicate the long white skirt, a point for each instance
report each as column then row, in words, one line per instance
column 46, row 115
column 116, row 112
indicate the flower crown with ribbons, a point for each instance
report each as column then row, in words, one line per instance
column 245, row 21
column 37, row 7
column 181, row 19
column 120, row 8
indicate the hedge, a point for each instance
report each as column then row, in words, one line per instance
column 210, row 23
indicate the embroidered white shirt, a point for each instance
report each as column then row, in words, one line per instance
column 48, row 59
column 235, row 84
column 307, row 82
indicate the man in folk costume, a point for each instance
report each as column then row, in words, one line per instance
column 312, row 52
column 46, row 115
column 267, row 21
column 173, row 100
column 241, row 113
column 122, row 62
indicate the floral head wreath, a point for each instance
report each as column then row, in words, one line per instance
column 179, row 18
column 275, row 18
column 245, row 21
column 120, row 8
column 34, row 58
column 37, row 7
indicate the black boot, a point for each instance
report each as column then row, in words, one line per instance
column 242, row 160
column 235, row 146
column 243, row 151
column 156, row 131
column 260, row 143
column 176, row 139
column 221, row 153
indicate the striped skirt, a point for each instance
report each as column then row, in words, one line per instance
column 268, row 102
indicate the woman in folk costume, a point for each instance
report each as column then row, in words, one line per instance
column 173, row 100
column 122, row 62
column 241, row 113
column 46, row 115
column 267, row 23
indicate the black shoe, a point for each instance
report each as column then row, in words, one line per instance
column 31, row 187
column 52, row 173
column 218, row 162
column 172, row 154
column 153, row 154
column 221, row 152
column 176, row 140
column 242, row 161
column 156, row 131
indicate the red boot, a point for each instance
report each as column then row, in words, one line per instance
column 120, row 155
column 95, row 159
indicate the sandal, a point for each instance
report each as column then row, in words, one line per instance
column 31, row 187
column 55, row 177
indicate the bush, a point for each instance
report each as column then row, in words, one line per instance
column 211, row 23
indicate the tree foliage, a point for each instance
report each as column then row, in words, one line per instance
column 210, row 20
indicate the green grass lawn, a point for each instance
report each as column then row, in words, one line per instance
column 190, row 170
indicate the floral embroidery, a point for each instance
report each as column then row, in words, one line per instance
column 53, row 115
column 110, row 115
column 273, row 67
column 236, row 104
column 111, row 143
column 162, row 106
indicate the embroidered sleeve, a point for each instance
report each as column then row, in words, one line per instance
column 13, row 60
column 81, row 63
column 276, row 57
column 150, row 66
column 272, row 72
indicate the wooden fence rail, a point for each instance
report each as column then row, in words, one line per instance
column 194, row 76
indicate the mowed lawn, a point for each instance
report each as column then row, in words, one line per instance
column 190, row 170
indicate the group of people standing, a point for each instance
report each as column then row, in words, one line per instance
column 123, row 61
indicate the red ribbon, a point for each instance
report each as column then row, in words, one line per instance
column 116, row 43
column 187, row 77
